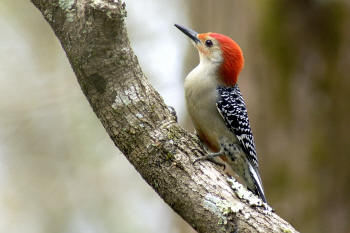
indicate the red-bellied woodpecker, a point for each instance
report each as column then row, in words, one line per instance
column 217, row 108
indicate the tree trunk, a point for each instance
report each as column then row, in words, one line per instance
column 94, row 37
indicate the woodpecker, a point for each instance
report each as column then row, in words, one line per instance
column 217, row 108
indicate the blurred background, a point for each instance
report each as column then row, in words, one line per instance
column 60, row 172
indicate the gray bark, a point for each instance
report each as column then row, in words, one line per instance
column 94, row 37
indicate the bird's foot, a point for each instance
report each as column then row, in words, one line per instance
column 172, row 111
column 211, row 157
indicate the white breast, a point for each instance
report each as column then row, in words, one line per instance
column 201, row 97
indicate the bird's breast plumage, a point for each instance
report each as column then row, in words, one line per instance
column 201, row 98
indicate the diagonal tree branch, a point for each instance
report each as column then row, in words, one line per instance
column 94, row 37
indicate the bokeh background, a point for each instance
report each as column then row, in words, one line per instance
column 59, row 171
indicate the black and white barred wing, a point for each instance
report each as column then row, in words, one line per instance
column 233, row 110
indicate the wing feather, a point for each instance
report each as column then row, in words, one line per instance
column 233, row 110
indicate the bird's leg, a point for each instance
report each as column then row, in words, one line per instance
column 210, row 157
column 172, row 111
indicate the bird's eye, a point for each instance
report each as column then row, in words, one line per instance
column 209, row 43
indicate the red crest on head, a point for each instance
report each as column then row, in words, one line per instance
column 233, row 59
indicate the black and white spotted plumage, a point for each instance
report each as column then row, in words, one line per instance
column 233, row 110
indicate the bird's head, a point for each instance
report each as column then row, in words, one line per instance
column 219, row 49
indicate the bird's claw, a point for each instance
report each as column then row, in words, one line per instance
column 172, row 111
column 209, row 157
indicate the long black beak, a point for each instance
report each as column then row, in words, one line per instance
column 190, row 33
